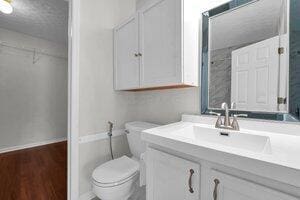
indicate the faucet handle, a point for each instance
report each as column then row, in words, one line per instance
column 219, row 120
column 233, row 105
column 235, row 124
column 240, row 115
column 215, row 113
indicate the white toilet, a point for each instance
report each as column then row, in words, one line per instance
column 117, row 179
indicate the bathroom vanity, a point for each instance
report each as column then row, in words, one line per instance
column 193, row 160
column 249, row 61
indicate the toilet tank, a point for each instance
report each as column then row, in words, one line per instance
column 134, row 130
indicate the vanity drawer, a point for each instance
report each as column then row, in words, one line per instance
column 171, row 177
column 227, row 187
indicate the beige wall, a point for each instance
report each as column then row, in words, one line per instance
column 99, row 103
column 167, row 106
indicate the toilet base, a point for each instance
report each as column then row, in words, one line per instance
column 118, row 192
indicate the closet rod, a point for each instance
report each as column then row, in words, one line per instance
column 32, row 50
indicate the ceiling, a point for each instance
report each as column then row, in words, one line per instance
column 247, row 24
column 46, row 19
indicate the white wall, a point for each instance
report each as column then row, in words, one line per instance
column 99, row 103
column 167, row 106
column 33, row 105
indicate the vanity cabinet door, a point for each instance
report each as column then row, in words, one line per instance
column 126, row 49
column 226, row 187
column 160, row 43
column 171, row 178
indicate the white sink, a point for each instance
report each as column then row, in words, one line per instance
column 233, row 139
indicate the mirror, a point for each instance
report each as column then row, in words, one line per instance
column 246, row 59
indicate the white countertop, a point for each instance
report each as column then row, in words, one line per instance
column 281, row 164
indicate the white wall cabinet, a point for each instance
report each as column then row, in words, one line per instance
column 159, row 46
column 126, row 48
column 170, row 177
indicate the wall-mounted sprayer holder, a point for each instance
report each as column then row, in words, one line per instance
column 111, row 125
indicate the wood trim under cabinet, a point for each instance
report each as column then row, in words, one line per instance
column 160, row 88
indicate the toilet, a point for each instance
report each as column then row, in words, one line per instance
column 118, row 179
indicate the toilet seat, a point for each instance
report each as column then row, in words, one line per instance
column 115, row 172
column 104, row 185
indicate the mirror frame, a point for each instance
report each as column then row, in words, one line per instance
column 204, row 68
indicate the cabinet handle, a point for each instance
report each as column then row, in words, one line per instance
column 190, row 181
column 136, row 55
column 140, row 54
column 215, row 194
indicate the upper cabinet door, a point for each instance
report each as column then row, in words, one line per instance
column 126, row 55
column 160, row 43
column 171, row 178
column 226, row 187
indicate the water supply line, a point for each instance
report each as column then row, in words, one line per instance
column 111, row 125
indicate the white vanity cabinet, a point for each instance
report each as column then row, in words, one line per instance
column 227, row 187
column 168, row 177
column 171, row 177
column 158, row 47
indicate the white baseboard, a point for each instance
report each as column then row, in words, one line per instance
column 87, row 196
column 36, row 144
column 100, row 136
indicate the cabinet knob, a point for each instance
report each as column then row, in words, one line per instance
column 190, row 181
column 136, row 55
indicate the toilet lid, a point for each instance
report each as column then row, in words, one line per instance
column 115, row 170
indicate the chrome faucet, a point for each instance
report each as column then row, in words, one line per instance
column 226, row 117
column 227, row 124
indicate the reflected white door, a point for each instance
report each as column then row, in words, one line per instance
column 255, row 76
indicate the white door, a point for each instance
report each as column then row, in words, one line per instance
column 160, row 43
column 255, row 77
column 126, row 48
column 226, row 187
column 171, row 178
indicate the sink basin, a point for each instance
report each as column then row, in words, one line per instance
column 233, row 139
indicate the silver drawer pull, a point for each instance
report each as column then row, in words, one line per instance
column 190, row 181
column 215, row 194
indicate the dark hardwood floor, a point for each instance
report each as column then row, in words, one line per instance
column 38, row 173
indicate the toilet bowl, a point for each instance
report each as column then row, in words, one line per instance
column 117, row 179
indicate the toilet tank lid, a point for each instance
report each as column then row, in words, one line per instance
column 139, row 126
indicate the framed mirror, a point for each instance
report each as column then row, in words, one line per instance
column 250, row 59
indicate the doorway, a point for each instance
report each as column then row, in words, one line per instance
column 34, row 99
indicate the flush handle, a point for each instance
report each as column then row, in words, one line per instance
column 215, row 193
column 190, row 181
